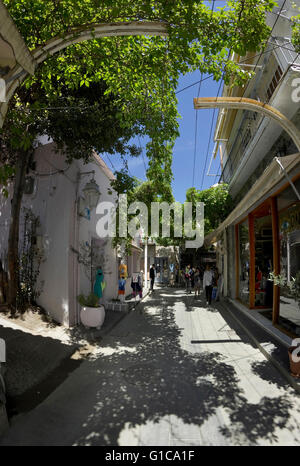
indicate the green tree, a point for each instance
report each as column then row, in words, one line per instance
column 78, row 121
column 143, row 72
column 217, row 204
column 296, row 29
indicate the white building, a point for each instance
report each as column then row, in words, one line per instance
column 262, row 233
column 54, row 193
column 249, row 141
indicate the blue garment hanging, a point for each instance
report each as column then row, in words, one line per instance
column 98, row 290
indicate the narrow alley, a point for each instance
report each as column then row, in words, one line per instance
column 172, row 372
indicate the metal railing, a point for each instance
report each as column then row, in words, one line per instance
column 239, row 145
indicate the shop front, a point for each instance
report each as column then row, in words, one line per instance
column 260, row 244
column 267, row 254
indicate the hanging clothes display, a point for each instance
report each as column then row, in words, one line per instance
column 137, row 285
column 99, row 283
column 121, row 290
column 123, row 271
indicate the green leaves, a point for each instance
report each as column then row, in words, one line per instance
column 142, row 72
column 296, row 29
column 6, row 172
column 217, row 204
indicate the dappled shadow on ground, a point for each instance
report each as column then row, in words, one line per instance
column 161, row 379
column 262, row 369
column 143, row 376
column 80, row 334
column 30, row 360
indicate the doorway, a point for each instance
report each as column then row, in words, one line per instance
column 263, row 240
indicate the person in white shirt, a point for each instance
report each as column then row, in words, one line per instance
column 208, row 283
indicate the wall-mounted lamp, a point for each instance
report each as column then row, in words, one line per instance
column 91, row 191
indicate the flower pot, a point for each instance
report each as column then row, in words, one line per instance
column 294, row 364
column 92, row 316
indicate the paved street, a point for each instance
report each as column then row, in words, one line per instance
column 172, row 372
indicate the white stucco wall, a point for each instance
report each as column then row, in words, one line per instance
column 87, row 231
column 54, row 201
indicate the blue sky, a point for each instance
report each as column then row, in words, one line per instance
column 183, row 154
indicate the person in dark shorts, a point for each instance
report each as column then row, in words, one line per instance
column 152, row 276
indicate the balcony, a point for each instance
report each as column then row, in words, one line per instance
column 248, row 127
column 285, row 54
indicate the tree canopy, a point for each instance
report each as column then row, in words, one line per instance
column 142, row 72
column 78, row 121
column 217, row 204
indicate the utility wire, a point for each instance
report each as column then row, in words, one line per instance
column 196, row 115
column 240, row 63
column 210, row 133
column 196, row 135
column 259, row 57
column 112, row 165
column 268, row 51
column 142, row 156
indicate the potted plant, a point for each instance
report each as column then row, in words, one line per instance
column 92, row 313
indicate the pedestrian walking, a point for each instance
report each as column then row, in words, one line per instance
column 188, row 279
column 152, row 276
column 192, row 273
column 208, row 283
column 197, row 282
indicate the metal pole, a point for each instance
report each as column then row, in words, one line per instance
column 146, row 262
column 288, row 178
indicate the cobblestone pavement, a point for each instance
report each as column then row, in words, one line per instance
column 172, row 372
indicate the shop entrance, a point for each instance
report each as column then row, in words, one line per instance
column 263, row 263
column 255, row 259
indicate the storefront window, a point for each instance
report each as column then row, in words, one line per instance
column 289, row 231
column 244, row 262
column 263, row 261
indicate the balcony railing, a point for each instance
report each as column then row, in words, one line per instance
column 243, row 137
column 284, row 52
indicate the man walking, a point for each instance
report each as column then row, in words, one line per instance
column 208, row 283
column 152, row 276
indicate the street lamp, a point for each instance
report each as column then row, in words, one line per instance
column 91, row 193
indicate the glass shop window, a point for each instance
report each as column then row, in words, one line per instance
column 289, row 232
column 263, row 261
column 244, row 261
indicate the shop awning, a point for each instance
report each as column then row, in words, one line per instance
column 266, row 184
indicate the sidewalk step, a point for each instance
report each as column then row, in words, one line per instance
column 273, row 349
